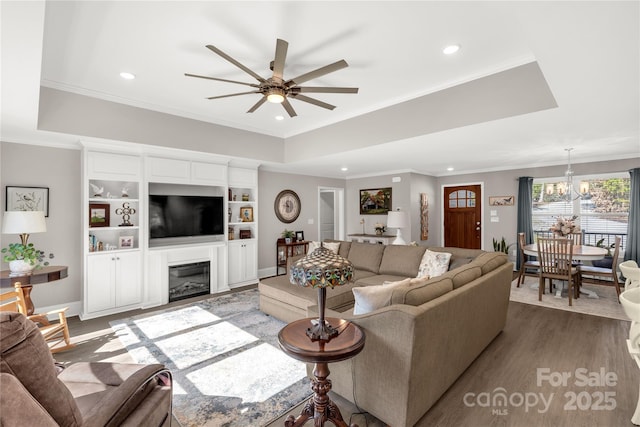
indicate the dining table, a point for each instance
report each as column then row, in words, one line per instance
column 580, row 253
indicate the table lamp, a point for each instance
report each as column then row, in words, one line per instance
column 399, row 220
column 320, row 269
column 23, row 223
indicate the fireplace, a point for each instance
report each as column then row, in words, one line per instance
column 188, row 280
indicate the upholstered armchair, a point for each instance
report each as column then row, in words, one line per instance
column 36, row 392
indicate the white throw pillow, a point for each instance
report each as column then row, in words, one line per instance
column 334, row 246
column 434, row 264
column 370, row 298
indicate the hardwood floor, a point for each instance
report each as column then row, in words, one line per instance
column 535, row 338
column 556, row 342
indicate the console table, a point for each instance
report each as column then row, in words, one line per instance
column 383, row 239
column 294, row 341
column 284, row 251
column 26, row 282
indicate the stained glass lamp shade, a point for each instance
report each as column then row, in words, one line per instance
column 321, row 269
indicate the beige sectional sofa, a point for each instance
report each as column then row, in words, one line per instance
column 419, row 344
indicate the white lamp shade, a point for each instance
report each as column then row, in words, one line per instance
column 21, row 222
column 397, row 219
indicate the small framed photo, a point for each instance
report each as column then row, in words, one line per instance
column 502, row 200
column 299, row 236
column 99, row 214
column 246, row 214
column 125, row 242
column 27, row 199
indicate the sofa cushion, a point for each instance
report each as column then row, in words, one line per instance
column 366, row 256
column 458, row 261
column 279, row 288
column 344, row 247
column 334, row 246
column 434, row 264
column 465, row 274
column 419, row 294
column 489, row 261
column 378, row 279
column 370, row 298
column 400, row 260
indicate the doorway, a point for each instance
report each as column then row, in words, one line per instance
column 330, row 213
column 463, row 216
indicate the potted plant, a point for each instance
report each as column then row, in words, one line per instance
column 501, row 246
column 607, row 261
column 23, row 258
column 288, row 235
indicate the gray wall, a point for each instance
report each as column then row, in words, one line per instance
column 269, row 227
column 504, row 183
column 58, row 169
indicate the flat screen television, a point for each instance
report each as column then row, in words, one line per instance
column 185, row 216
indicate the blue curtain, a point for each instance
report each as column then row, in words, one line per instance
column 525, row 207
column 632, row 250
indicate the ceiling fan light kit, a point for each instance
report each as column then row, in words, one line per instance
column 275, row 89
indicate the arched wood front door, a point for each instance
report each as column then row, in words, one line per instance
column 462, row 216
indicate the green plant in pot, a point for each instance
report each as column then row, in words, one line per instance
column 288, row 235
column 501, row 246
column 23, row 258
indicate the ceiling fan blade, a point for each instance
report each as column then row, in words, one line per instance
column 281, row 56
column 236, row 63
column 309, row 89
column 287, row 106
column 257, row 104
column 221, row 80
column 317, row 73
column 233, row 94
column 314, row 102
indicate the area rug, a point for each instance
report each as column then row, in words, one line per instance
column 606, row 305
column 223, row 353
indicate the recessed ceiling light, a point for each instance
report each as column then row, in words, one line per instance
column 279, row 117
column 451, row 49
column 449, row 169
column 127, row 76
column 344, row 169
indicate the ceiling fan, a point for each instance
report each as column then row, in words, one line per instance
column 278, row 90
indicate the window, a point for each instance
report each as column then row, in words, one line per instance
column 462, row 199
column 602, row 206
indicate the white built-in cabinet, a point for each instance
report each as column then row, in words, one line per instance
column 120, row 271
column 243, row 226
column 243, row 262
column 112, row 233
column 114, row 280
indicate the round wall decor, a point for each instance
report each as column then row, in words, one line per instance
column 287, row 206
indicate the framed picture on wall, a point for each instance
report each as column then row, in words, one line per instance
column 27, row 199
column 502, row 200
column 375, row 201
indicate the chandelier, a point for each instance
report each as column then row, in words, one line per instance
column 565, row 189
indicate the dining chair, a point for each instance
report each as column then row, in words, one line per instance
column 525, row 262
column 631, row 273
column 555, row 257
column 56, row 334
column 612, row 272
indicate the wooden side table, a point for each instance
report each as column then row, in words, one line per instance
column 41, row 275
column 284, row 251
column 295, row 342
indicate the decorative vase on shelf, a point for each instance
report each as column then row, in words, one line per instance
column 20, row 267
column 378, row 232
